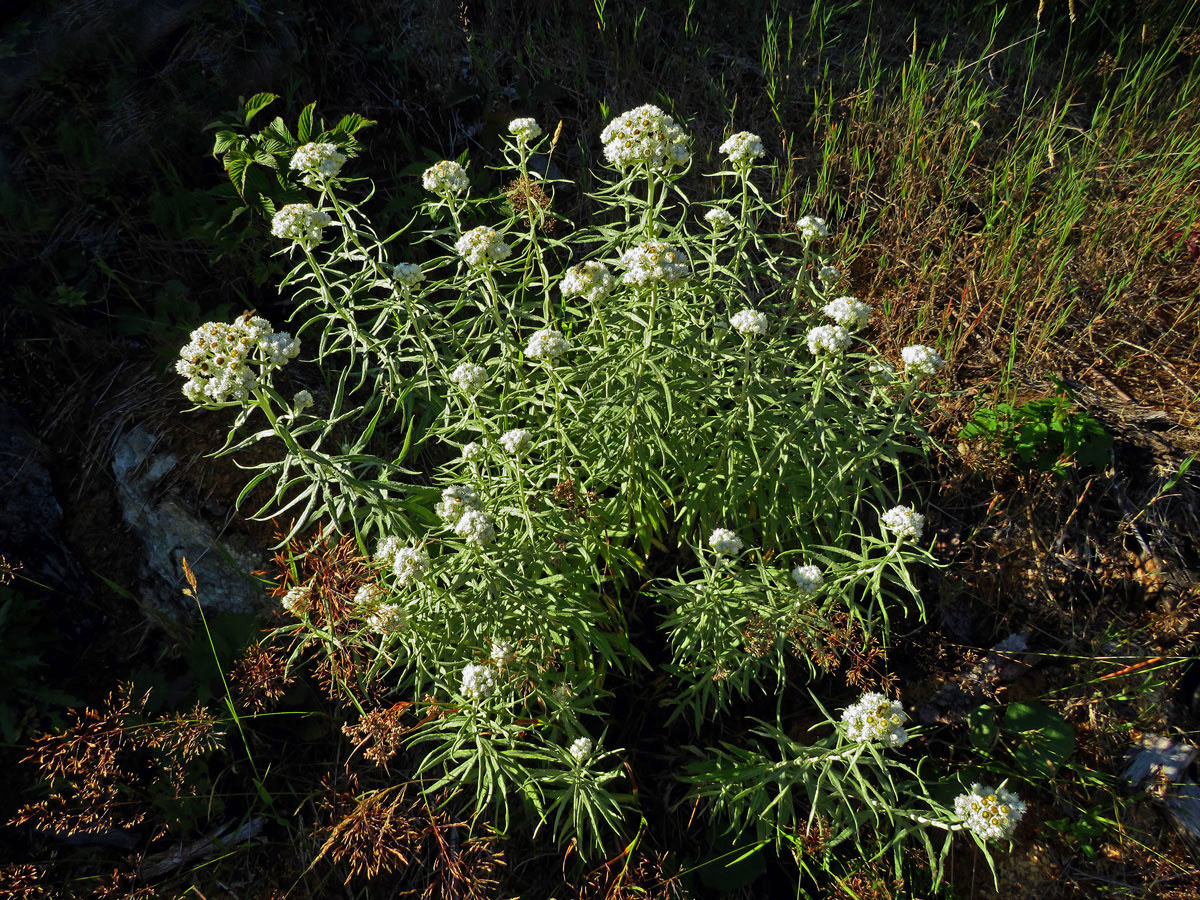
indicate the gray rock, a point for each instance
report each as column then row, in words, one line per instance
column 170, row 533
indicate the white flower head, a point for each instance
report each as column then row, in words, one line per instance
column 386, row 617
column 590, row 280
column 475, row 527
column 386, row 549
column 409, row 565
column 829, row 275
column 526, row 130
column 501, row 651
column 749, row 323
column 829, row 340
column 482, row 246
column 719, row 219
column 904, row 522
column 456, row 501
column 812, row 228
column 302, row 401
column 653, row 261
column 224, row 363
column 743, row 148
column 645, row 135
column 546, row 344
column 848, row 312
column 407, row 275
column 725, row 542
column 517, row 442
column 296, row 600
column 991, row 813
column 300, row 222
column 882, row 372
column 808, row 579
column 445, row 178
column 580, row 749
column 470, row 377
column 478, row 682
column 370, row 594
column 876, row 718
column 473, row 452
column 920, row 361
column 317, row 163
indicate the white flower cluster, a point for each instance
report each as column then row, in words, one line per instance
column 220, row 361
column 318, row 163
column 883, row 372
column 300, row 222
column 829, row 275
column 478, row 681
column 848, row 312
column 725, row 542
column 517, row 442
column 652, row 261
column 387, row 548
column 470, row 377
column 473, row 452
column 407, row 275
column 904, row 522
column 719, row 219
column 386, row 617
column 590, row 280
column 921, row 361
column 482, row 246
column 445, row 178
column 828, row 339
column 645, row 135
column 580, row 749
column 743, row 148
column 749, row 322
column 812, row 227
column 808, row 579
column 410, row 564
column 297, row 599
column 546, row 344
column 992, row 814
column 525, row 129
column 501, row 651
column 461, row 510
column 369, row 594
column 302, row 401
column 876, row 718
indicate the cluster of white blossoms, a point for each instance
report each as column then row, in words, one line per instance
column 749, row 322
column 719, row 219
column 580, row 749
column 812, row 227
column 318, row 163
column 546, row 344
column 370, row 594
column 883, row 372
column 461, row 510
column 517, row 442
column 470, row 377
column 876, row 718
column 297, row 599
column 478, row 681
column 445, row 178
column 829, row 275
column 473, row 452
column 500, row 652
column 387, row 548
column 407, row 275
column 300, row 222
column 410, row 564
column 302, row 401
column 743, row 148
column 725, row 542
column 482, row 246
column 904, row 522
column 525, row 129
column 224, row 363
column 379, row 615
column 990, row 813
column 808, row 579
column 590, row 280
column 645, row 135
column 828, row 339
column 652, row 261
column 848, row 312
column 921, row 361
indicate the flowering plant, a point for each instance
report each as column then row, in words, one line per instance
column 651, row 416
